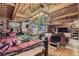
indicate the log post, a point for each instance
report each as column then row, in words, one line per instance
column 46, row 46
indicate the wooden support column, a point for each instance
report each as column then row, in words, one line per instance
column 21, row 25
column 78, row 21
column 15, row 10
column 7, row 24
column 46, row 46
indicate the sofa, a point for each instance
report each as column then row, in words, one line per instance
column 58, row 40
column 23, row 46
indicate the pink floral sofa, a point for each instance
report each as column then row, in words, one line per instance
column 20, row 47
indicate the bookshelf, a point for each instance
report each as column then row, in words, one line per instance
column 74, row 32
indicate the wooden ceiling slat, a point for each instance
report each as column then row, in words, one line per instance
column 66, row 10
column 20, row 15
column 11, row 4
column 61, row 6
column 6, row 10
column 24, row 10
column 67, row 15
column 15, row 10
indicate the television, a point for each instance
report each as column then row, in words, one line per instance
column 55, row 39
column 64, row 29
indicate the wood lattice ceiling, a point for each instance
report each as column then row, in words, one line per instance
column 6, row 11
column 22, row 11
column 65, row 11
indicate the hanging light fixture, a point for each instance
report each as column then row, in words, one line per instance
column 41, row 5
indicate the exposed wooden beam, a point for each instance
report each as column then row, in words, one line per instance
column 63, row 20
column 21, row 15
column 15, row 10
column 61, row 6
column 18, row 14
column 24, row 16
column 67, row 15
column 20, row 19
column 11, row 4
column 36, row 12
column 25, row 7
column 78, row 10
